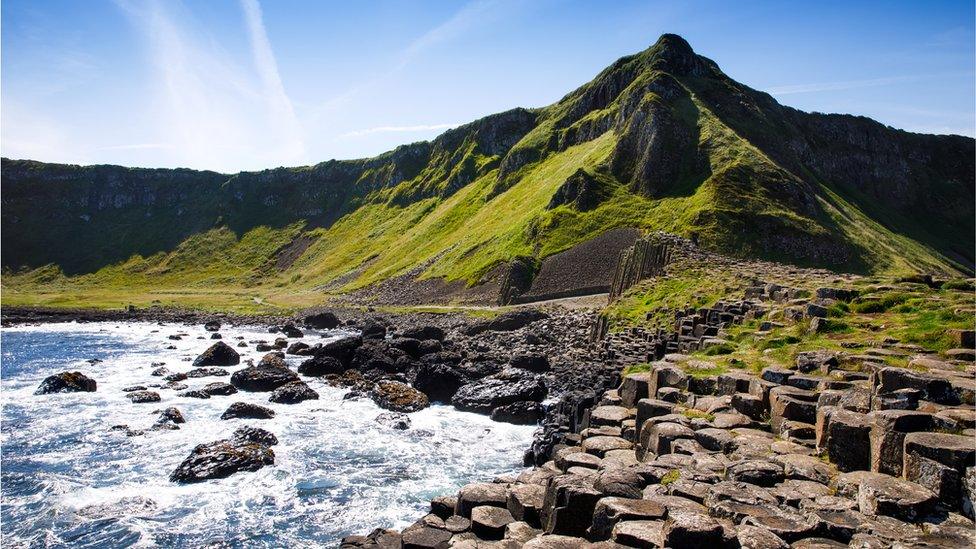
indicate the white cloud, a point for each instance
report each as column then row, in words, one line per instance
column 398, row 129
column 854, row 84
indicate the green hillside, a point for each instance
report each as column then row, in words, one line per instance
column 661, row 140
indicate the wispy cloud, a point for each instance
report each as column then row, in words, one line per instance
column 216, row 112
column 398, row 129
column 282, row 112
column 854, row 84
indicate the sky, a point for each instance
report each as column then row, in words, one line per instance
column 232, row 85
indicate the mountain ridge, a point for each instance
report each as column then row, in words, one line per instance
column 659, row 140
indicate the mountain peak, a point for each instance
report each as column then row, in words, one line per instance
column 674, row 54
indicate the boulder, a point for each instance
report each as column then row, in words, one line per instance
column 211, row 326
column 66, row 382
column 293, row 393
column 439, row 381
column 140, row 397
column 321, row 321
column 171, row 415
column 219, row 388
column 268, row 375
column 519, row 413
column 398, row 397
column 246, row 410
column 219, row 354
column 298, row 348
column 393, row 420
column 486, row 394
column 532, row 362
column 205, row 371
column 373, row 330
column 221, row 459
column 342, row 349
column 321, row 366
column 638, row 533
column 255, row 435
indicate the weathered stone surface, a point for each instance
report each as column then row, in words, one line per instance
column 805, row 467
column 425, row 538
column 758, row 472
column 140, row 397
column 690, row 529
column 247, row 410
column 320, row 366
column 569, row 503
column 888, row 429
column 221, row 459
column 622, row 482
column 489, row 522
column 489, row 393
column 657, row 438
column 938, row 461
column 754, row 537
column 525, row 502
column 398, row 397
column 610, row 415
column 894, row 497
column 848, row 441
column 267, row 375
column 483, row 493
column 634, row 388
column 600, row 445
column 639, row 533
column 612, row 510
column 293, row 393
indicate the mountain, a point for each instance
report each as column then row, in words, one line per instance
column 521, row 204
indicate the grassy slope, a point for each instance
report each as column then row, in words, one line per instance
column 464, row 234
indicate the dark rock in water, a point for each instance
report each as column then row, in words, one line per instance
column 66, row 382
column 322, row 321
column 195, row 394
column 170, row 347
column 293, row 393
column 127, row 506
column 489, row 393
column 178, row 376
column 129, row 431
column 342, row 349
column 216, row 336
column 263, row 347
column 143, row 396
column 297, row 348
column 219, row 388
column 424, row 332
column 247, row 410
column 211, row 326
column 222, row 458
column 506, row 322
column 175, row 385
column 291, row 331
column 320, row 366
column 165, row 426
column 171, row 415
column 520, row 413
column 133, row 388
column 438, row 381
column 400, row 422
column 398, row 397
column 373, row 330
column 378, row 539
column 268, row 375
column 255, row 435
column 206, row 372
column 174, row 337
column 242, row 344
column 160, row 372
column 531, row 362
column 219, row 354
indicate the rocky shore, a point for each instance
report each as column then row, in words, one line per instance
column 641, row 441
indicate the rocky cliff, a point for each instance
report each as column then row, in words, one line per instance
column 660, row 140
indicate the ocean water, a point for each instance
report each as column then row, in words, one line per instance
column 337, row 470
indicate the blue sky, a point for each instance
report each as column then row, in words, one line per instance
column 247, row 84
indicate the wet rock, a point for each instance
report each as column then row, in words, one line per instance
column 439, row 381
column 290, row 330
column 216, row 336
column 342, row 349
column 66, row 382
column 398, row 397
column 195, row 394
column 378, row 539
column 254, row 434
column 211, row 326
column 205, row 372
column 171, row 415
column 298, row 348
column 489, row 393
column 160, row 372
column 221, row 459
column 246, row 410
column 219, row 389
column 373, row 330
column 219, row 354
column 134, row 388
column 134, row 506
column 140, row 397
column 293, row 393
column 268, row 375
column 400, row 422
column 519, row 413
column 321, row 366
column 882, row 494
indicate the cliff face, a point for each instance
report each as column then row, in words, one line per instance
column 660, row 140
